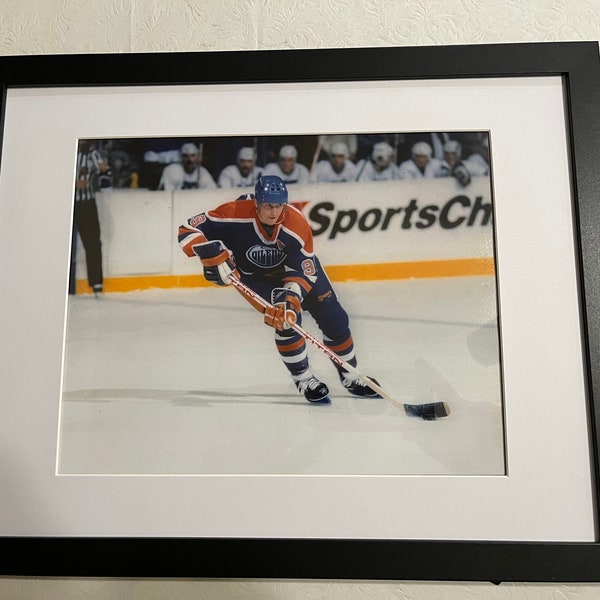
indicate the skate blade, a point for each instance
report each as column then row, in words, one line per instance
column 326, row 400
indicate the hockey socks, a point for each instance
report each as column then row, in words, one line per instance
column 344, row 348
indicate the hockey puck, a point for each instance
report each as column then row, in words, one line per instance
column 427, row 412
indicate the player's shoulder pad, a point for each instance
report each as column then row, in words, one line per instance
column 235, row 209
column 297, row 224
column 296, row 216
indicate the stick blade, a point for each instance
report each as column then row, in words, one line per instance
column 427, row 412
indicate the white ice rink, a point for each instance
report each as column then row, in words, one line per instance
column 189, row 382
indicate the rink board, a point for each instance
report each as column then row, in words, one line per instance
column 363, row 231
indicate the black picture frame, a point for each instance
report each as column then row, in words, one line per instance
column 365, row 559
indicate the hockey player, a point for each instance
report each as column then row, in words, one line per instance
column 380, row 167
column 288, row 167
column 421, row 165
column 268, row 244
column 188, row 174
column 243, row 173
column 338, row 168
column 452, row 165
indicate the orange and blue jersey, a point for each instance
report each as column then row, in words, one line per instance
column 285, row 253
column 270, row 258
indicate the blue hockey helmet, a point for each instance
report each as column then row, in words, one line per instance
column 271, row 189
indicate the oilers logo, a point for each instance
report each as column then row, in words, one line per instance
column 265, row 257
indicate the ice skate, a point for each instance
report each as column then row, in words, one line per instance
column 312, row 389
column 357, row 387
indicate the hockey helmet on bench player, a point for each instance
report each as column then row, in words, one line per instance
column 271, row 189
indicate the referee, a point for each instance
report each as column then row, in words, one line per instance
column 93, row 174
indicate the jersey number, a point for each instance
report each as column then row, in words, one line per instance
column 197, row 220
column 308, row 267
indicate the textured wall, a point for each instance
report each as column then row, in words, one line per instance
column 56, row 26
column 80, row 26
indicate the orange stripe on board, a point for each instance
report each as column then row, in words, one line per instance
column 144, row 282
column 463, row 267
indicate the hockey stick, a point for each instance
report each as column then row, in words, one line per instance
column 428, row 412
column 316, row 155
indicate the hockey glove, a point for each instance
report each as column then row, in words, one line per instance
column 217, row 261
column 285, row 310
column 461, row 175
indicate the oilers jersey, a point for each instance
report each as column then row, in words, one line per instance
column 270, row 258
column 285, row 253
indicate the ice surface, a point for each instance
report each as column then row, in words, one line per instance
column 189, row 382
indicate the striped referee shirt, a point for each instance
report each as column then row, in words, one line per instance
column 88, row 172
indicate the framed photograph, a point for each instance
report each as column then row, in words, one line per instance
column 366, row 208
column 445, row 215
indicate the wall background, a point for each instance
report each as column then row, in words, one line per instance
column 78, row 26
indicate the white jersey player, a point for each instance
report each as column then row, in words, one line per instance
column 244, row 173
column 421, row 164
column 188, row 174
column 288, row 168
column 338, row 168
column 452, row 165
column 380, row 167
column 477, row 165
